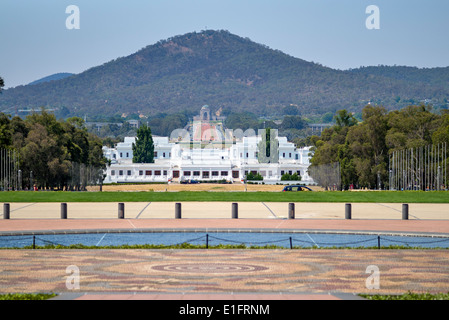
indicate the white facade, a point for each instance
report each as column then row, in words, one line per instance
column 177, row 162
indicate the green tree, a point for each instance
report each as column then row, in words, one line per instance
column 243, row 120
column 143, row 149
column 291, row 177
column 345, row 119
column 411, row 127
column 268, row 147
column 254, row 177
column 290, row 110
column 368, row 148
column 43, row 156
column 49, row 148
column 293, row 122
column 5, row 131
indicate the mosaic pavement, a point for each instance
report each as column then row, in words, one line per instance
column 224, row 271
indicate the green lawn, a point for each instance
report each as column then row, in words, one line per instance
column 184, row 196
column 27, row 296
column 408, row 296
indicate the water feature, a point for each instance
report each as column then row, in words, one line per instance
column 260, row 239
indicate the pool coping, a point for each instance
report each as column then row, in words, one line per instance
column 224, row 230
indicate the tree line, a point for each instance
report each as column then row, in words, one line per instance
column 363, row 148
column 51, row 150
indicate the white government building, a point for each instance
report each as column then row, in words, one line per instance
column 205, row 152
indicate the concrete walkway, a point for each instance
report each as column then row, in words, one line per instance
column 223, row 210
column 223, row 274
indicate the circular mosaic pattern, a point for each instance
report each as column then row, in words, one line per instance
column 209, row 268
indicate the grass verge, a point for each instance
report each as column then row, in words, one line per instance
column 27, row 296
column 204, row 196
column 408, row 296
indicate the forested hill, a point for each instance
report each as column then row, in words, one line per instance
column 53, row 77
column 224, row 70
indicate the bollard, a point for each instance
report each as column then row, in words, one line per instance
column 6, row 211
column 177, row 210
column 235, row 211
column 291, row 211
column 348, row 211
column 63, row 210
column 404, row 211
column 121, row 210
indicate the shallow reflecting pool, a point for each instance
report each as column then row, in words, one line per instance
column 287, row 240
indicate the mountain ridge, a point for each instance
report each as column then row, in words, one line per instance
column 221, row 69
column 52, row 77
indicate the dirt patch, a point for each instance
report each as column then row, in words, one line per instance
column 196, row 187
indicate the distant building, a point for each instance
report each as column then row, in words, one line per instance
column 319, row 127
column 134, row 123
column 207, row 152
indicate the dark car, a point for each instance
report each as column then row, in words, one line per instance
column 189, row 182
column 296, row 188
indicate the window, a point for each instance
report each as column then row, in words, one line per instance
column 214, row 173
column 112, row 172
column 114, row 156
column 187, row 173
column 290, row 172
column 157, row 172
column 283, row 155
column 127, row 155
column 163, row 155
column 155, row 154
column 140, row 172
column 129, row 172
column 120, row 172
column 235, row 174
column 121, row 155
column 298, row 172
column 196, row 173
column 148, row 173
column 224, row 173
column 165, row 172
column 282, row 172
column 247, row 154
column 205, row 174
column 290, row 155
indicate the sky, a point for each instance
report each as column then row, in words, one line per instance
column 35, row 40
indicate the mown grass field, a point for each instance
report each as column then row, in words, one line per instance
column 204, row 196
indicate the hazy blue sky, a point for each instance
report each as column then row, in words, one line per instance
column 34, row 40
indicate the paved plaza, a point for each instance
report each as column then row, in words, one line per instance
column 224, row 274
column 223, row 210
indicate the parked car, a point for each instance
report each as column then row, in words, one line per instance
column 189, row 182
column 296, row 188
